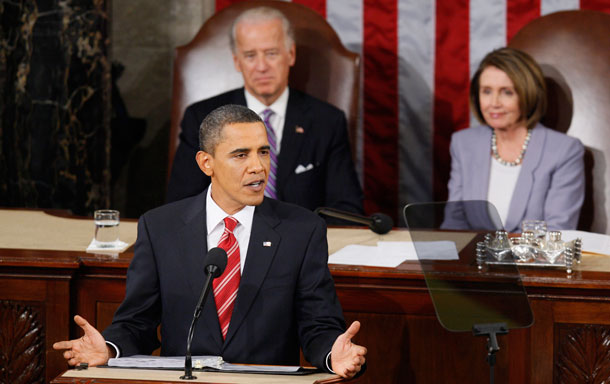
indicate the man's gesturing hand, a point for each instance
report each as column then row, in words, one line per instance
column 91, row 348
column 346, row 357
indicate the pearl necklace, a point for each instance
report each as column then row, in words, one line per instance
column 496, row 155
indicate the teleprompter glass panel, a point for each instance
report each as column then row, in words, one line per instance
column 445, row 237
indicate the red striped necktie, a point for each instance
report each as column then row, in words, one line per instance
column 225, row 286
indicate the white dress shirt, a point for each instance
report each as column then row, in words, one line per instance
column 502, row 182
column 279, row 113
column 215, row 225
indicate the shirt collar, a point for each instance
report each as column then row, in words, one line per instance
column 278, row 107
column 215, row 215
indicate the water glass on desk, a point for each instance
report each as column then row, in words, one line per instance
column 538, row 227
column 106, row 227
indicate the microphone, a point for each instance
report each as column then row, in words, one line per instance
column 216, row 262
column 378, row 222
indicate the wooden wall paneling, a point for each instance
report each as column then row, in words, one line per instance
column 518, row 354
column 407, row 344
column 581, row 341
column 42, row 304
column 586, row 310
column 386, row 337
column 105, row 313
column 58, row 304
column 22, row 344
column 541, row 346
column 98, row 297
column 100, row 288
column 582, row 353
column 570, row 339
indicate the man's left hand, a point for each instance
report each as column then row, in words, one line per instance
column 346, row 357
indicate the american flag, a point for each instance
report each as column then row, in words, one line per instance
column 418, row 58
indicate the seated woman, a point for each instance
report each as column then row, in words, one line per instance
column 527, row 171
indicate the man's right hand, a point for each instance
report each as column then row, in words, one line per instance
column 91, row 348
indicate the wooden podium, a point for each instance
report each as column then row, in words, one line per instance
column 149, row 376
column 41, row 289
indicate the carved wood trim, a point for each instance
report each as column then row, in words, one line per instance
column 583, row 355
column 21, row 344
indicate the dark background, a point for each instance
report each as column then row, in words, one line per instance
column 85, row 101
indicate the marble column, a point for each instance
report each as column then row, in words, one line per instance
column 54, row 104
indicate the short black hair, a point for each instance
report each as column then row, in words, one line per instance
column 210, row 130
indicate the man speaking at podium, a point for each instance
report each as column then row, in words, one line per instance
column 275, row 295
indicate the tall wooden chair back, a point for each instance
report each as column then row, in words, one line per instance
column 324, row 67
column 572, row 47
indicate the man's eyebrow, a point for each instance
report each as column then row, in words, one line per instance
column 239, row 150
column 266, row 147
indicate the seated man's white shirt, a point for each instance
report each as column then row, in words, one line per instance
column 279, row 116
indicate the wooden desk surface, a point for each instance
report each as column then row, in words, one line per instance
column 47, row 230
column 138, row 376
column 42, row 289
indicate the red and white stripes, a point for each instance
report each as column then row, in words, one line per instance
column 418, row 57
column 226, row 286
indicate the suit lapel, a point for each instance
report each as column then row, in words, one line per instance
column 258, row 261
column 239, row 97
column 193, row 242
column 193, row 248
column 525, row 181
column 481, row 164
column 296, row 127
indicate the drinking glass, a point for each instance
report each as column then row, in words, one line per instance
column 106, row 227
column 538, row 227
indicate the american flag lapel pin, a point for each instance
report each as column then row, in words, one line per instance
column 266, row 243
column 299, row 129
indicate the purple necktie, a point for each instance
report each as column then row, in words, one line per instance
column 270, row 189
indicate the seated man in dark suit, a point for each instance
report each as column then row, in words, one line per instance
column 276, row 293
column 311, row 160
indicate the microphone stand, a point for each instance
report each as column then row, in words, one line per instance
column 188, row 365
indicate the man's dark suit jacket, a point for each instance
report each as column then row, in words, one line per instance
column 314, row 133
column 286, row 296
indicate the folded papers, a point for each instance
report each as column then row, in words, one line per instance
column 215, row 363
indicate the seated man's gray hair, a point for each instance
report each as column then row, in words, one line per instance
column 261, row 14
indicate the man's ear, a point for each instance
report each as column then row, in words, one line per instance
column 292, row 55
column 236, row 62
column 205, row 161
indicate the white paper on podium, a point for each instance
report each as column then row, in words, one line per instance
column 259, row 368
column 591, row 242
column 167, row 362
column 391, row 254
column 199, row 362
column 436, row 250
